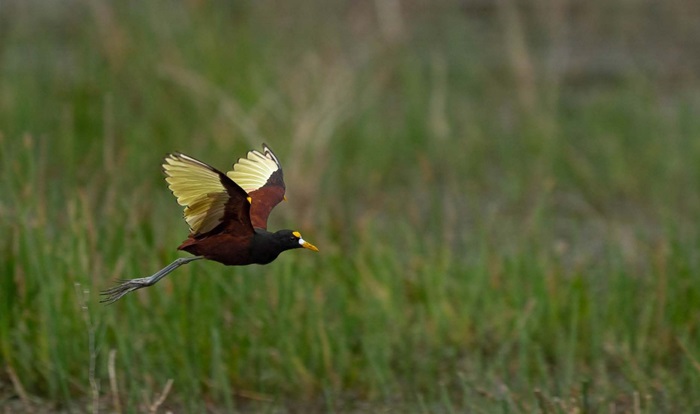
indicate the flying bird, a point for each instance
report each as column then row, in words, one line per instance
column 227, row 214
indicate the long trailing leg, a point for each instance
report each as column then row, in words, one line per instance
column 115, row 293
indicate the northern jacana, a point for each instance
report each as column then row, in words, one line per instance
column 227, row 214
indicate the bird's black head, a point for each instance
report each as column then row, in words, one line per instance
column 289, row 239
column 267, row 246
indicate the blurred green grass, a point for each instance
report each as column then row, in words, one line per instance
column 504, row 196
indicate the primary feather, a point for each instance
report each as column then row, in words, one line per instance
column 198, row 188
column 254, row 171
column 260, row 175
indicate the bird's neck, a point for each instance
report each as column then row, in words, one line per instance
column 265, row 248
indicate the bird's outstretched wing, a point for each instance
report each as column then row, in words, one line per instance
column 260, row 175
column 209, row 197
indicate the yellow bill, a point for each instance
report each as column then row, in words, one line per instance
column 303, row 243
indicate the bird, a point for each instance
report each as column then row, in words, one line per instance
column 226, row 214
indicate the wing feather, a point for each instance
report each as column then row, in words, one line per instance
column 200, row 189
column 260, row 175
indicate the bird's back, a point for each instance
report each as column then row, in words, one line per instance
column 225, row 248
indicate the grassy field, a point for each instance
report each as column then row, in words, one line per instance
column 505, row 199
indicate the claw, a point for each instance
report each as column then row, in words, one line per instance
column 115, row 293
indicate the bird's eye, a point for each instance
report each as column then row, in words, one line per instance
column 293, row 238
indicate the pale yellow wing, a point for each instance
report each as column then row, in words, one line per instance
column 253, row 172
column 199, row 189
column 260, row 175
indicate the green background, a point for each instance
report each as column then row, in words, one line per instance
column 504, row 195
